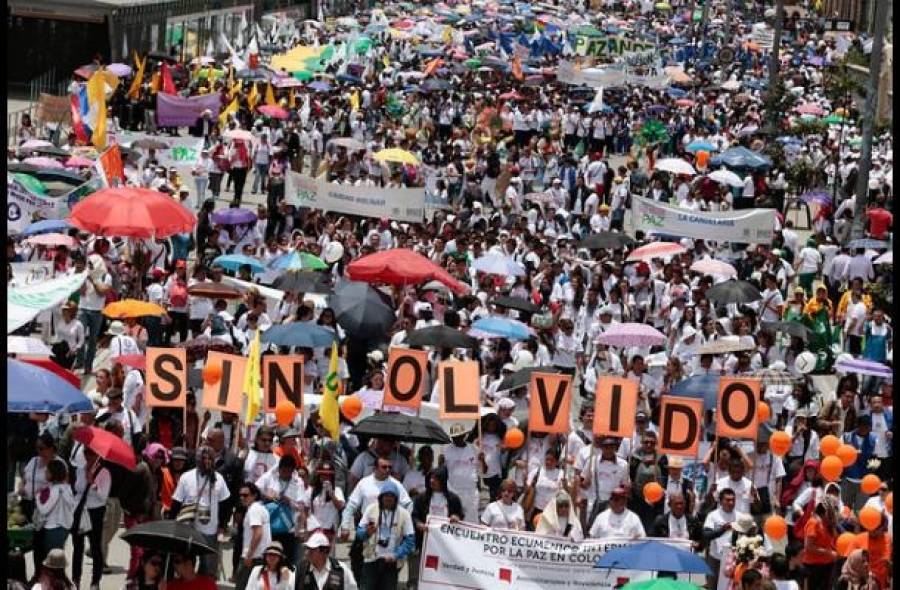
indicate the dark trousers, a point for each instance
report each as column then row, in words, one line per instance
column 289, row 543
column 215, row 183
column 854, row 345
column 96, row 536
column 380, row 575
column 239, row 176
column 819, row 576
column 179, row 325
column 45, row 540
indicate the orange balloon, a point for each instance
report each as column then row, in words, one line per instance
column 844, row 544
column 780, row 443
column 831, row 468
column 653, row 492
column 351, row 407
column 847, row 454
column 775, row 527
column 285, row 412
column 829, row 445
column 763, row 412
column 870, row 518
column 870, row 484
column 212, row 374
column 514, row 438
column 889, row 503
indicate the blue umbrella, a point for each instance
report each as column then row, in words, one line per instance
column 705, row 387
column 816, row 196
column 657, row 108
column 304, row 334
column 676, row 92
column 33, row 389
column 234, row 262
column 320, row 86
column 867, row 244
column 348, row 78
column 504, row 328
column 741, row 157
column 700, row 145
column 46, row 226
column 654, row 556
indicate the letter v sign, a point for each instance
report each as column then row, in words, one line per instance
column 546, row 414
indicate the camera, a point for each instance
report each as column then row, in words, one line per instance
column 383, row 542
column 203, row 514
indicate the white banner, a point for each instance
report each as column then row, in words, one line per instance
column 182, row 152
column 31, row 273
column 396, row 204
column 752, row 226
column 463, row 555
column 25, row 303
column 22, row 204
column 593, row 77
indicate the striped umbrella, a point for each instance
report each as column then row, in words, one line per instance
column 632, row 334
column 656, row 250
column 864, row 367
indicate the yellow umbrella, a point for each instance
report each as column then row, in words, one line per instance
column 397, row 155
column 132, row 308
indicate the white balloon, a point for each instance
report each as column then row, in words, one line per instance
column 805, row 362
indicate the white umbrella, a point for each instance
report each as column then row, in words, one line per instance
column 886, row 258
column 497, row 264
column 731, row 85
column 675, row 166
column 27, row 345
column 709, row 266
column 726, row 177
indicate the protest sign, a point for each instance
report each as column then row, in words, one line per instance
column 282, row 379
column 53, row 109
column 405, row 382
column 175, row 111
column 226, row 394
column 568, row 73
column 551, row 397
column 23, row 304
column 737, row 403
column 586, row 45
column 468, row 556
column 167, row 377
column 182, row 152
column 22, row 205
column 459, row 390
column 398, row 204
column 615, row 404
column 31, row 273
column 752, row 226
column 680, row 422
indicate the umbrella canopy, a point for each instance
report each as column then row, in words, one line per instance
column 52, row 240
column 774, row 377
column 660, row 584
column 656, row 250
column 710, row 266
column 700, row 145
column 234, row 216
column 632, row 334
column 675, row 166
column 390, row 426
column 396, row 155
column 132, row 308
column 234, row 262
column 886, row 258
column 726, row 345
column 793, row 328
column 78, row 162
column 31, row 388
column 816, row 196
column 148, row 143
column 33, row 144
column 273, row 111
column 654, row 556
column 27, row 345
column 726, row 177
column 497, row 327
column 517, row 303
column 522, row 377
column 168, row 536
column 705, row 387
column 867, row 244
column 211, row 290
column 348, row 143
column 238, row 134
column 733, row 291
column 304, row 282
column 440, row 337
column 401, row 267
column 295, row 260
column 108, row 445
column 608, row 240
column 360, row 310
column 319, row 86
column 303, row 334
column 55, row 368
column 131, row 212
column 46, row 226
column 135, row 361
column 31, row 183
column 498, row 264
column 809, row 108
column 42, row 162
column 864, row 367
column 741, row 157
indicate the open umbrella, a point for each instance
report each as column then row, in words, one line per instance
column 656, row 250
column 361, row 311
column 793, row 328
column 135, row 361
column 55, row 368
column 632, row 334
column 400, row 266
column 33, row 144
column 522, row 377
column 816, row 196
column 675, row 166
column 234, row 262
column 168, row 536
column 131, row 212
column 498, row 264
column 212, row 290
column 741, row 157
column 31, row 388
column 303, row 334
column 440, row 337
column 233, row 216
column 497, row 327
column 78, row 162
column 43, row 162
column 31, row 183
column 733, row 291
column 654, row 556
column 726, row 177
column 132, row 308
column 608, row 240
column 710, row 266
column 396, row 155
column 864, row 367
column 348, row 143
column 238, row 134
column 319, row 86
column 886, row 258
column 726, row 345
column 304, row 282
column 46, row 226
column 774, row 377
column 517, row 303
column 700, row 145
column 149, row 143
column 273, row 111
column 295, row 260
column 867, row 244
column 26, row 345
column 705, row 387
column 401, row 427
column 660, row 584
column 52, row 240
column 108, row 445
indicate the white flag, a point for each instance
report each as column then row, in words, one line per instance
column 124, row 47
column 243, row 21
column 210, row 48
column 597, row 103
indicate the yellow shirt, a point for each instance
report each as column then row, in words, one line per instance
column 845, row 301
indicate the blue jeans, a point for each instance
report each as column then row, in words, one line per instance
column 260, row 177
column 201, row 182
column 93, row 323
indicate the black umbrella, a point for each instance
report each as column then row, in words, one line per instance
column 517, row 303
column 608, row 240
column 168, row 536
column 390, row 426
column 361, row 311
column 522, row 377
column 733, row 291
column 50, row 151
column 441, row 337
column 793, row 328
column 148, row 143
column 304, row 281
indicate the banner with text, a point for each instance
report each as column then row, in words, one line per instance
column 609, row 46
column 397, row 204
column 753, row 226
column 182, row 152
column 22, row 204
column 462, row 555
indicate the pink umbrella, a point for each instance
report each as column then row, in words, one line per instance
column 33, row 144
column 78, row 162
column 656, row 250
column 709, row 266
column 632, row 334
column 286, row 83
column 511, row 96
column 273, row 111
column 810, row 109
column 43, row 162
column 685, row 102
column 55, row 239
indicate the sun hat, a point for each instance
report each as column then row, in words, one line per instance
column 117, row 328
column 275, row 547
column 744, row 523
column 316, row 540
column 56, row 560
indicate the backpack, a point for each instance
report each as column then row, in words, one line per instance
column 178, row 294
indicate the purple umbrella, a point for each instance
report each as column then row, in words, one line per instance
column 120, row 70
column 632, row 334
column 864, row 367
column 233, row 216
column 816, row 196
column 657, row 108
column 320, row 86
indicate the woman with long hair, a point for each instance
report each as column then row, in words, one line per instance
column 273, row 573
column 150, row 573
column 54, row 511
column 326, row 499
column 820, row 534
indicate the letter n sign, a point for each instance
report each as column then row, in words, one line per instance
column 166, row 377
column 405, row 383
column 282, row 379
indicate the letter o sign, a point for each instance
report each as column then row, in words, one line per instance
column 737, row 408
column 405, row 379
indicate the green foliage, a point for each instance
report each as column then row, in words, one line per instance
column 652, row 132
column 806, row 127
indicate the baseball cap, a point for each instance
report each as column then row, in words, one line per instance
column 317, row 540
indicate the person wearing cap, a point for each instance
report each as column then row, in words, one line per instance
column 318, row 570
column 617, row 520
column 464, row 463
column 599, row 471
column 274, row 573
column 175, row 464
column 388, row 536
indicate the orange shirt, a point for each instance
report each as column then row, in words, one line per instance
column 702, row 159
column 168, row 488
column 880, row 558
column 821, row 537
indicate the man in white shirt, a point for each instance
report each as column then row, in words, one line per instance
column 717, row 532
column 854, row 323
column 367, row 491
column 735, row 481
column 860, row 266
column 257, row 532
column 599, row 472
column 115, row 410
column 617, row 520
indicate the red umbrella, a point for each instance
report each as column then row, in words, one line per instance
column 401, row 267
column 131, row 212
column 107, row 445
column 273, row 111
column 46, row 363
column 136, row 361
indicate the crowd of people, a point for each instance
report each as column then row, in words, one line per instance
column 523, row 167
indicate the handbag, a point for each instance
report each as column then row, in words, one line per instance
column 281, row 517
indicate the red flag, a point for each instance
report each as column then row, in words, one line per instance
column 431, row 561
column 110, row 163
column 433, row 65
column 168, row 85
column 77, row 123
column 505, row 574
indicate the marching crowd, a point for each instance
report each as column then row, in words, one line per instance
column 526, row 179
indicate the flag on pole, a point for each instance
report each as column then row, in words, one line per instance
column 597, row 104
column 135, row 90
column 96, row 115
column 329, row 412
column 270, row 95
column 253, row 96
column 252, row 381
column 226, row 112
column 112, row 171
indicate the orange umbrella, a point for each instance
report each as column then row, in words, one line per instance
column 132, row 308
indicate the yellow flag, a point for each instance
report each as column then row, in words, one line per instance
column 447, row 36
column 329, row 412
column 154, row 82
column 135, row 90
column 270, row 96
column 354, row 101
column 252, row 381
column 386, row 61
column 96, row 91
column 229, row 110
column 253, row 97
column 292, row 100
column 235, row 88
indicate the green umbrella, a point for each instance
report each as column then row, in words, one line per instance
column 698, row 16
column 203, row 74
column 303, row 75
column 473, row 63
column 834, row 120
column 362, row 45
column 327, row 53
column 31, row 183
column 311, row 262
column 660, row 584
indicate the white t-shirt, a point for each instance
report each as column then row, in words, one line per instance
column 325, row 511
column 498, row 515
column 189, row 489
column 741, row 490
column 91, row 300
column 462, row 468
column 438, row 505
column 257, row 464
column 256, row 515
column 625, row 524
column 855, row 311
column 548, row 483
column 810, row 260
